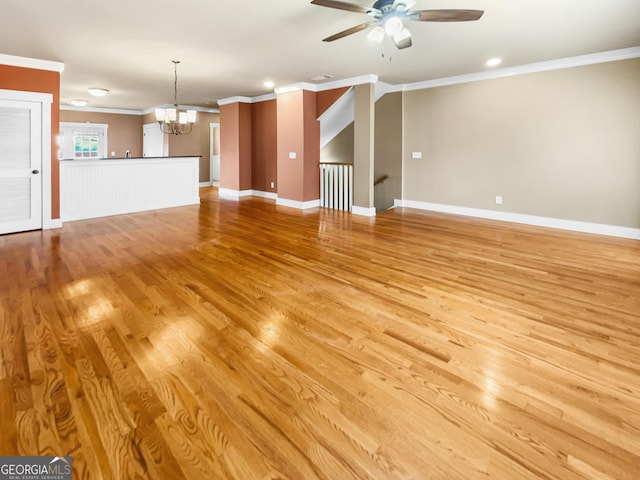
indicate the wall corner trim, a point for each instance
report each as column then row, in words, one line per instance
column 363, row 211
column 549, row 222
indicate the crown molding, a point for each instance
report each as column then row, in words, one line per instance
column 347, row 82
column 34, row 63
column 120, row 111
column 230, row 100
column 181, row 107
column 558, row 64
column 311, row 87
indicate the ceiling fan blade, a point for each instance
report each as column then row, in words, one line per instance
column 349, row 31
column 445, row 15
column 351, row 7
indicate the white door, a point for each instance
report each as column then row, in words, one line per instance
column 154, row 142
column 20, row 166
column 214, row 151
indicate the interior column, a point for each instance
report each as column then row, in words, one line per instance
column 298, row 147
column 363, row 155
column 235, row 149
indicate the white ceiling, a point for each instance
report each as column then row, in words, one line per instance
column 230, row 48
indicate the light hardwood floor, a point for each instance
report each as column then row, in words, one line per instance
column 248, row 341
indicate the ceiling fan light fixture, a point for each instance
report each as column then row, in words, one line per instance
column 393, row 26
column 376, row 34
column 402, row 39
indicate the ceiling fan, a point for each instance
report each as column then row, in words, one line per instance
column 389, row 16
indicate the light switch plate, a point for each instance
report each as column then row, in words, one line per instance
column 292, row 155
column 416, row 154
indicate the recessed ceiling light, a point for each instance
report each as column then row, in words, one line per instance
column 97, row 92
column 492, row 62
column 269, row 84
column 78, row 103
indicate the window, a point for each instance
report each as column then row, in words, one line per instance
column 85, row 145
column 83, row 140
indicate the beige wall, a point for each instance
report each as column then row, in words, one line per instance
column 196, row 143
column 562, row 144
column 388, row 150
column 124, row 132
column 340, row 148
column 364, row 145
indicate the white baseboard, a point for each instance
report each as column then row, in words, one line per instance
column 52, row 224
column 285, row 202
column 363, row 211
column 573, row 225
column 205, row 184
column 269, row 195
column 230, row 194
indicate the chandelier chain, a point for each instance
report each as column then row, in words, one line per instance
column 175, row 82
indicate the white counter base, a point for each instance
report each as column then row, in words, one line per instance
column 99, row 188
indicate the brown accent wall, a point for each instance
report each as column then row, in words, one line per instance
column 563, row 144
column 290, row 117
column 235, row 146
column 41, row 81
column 327, row 98
column 299, row 132
column 124, row 132
column 264, row 131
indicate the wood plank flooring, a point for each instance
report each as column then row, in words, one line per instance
column 240, row 340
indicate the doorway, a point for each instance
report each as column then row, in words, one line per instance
column 154, row 142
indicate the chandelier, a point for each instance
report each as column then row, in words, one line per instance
column 173, row 121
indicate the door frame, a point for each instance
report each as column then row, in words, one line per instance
column 212, row 127
column 165, row 141
column 45, row 100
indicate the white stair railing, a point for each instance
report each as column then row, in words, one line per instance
column 336, row 186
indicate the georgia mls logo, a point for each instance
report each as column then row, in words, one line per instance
column 35, row 468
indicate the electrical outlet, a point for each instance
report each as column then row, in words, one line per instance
column 273, row 184
column 292, row 155
column 498, row 200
